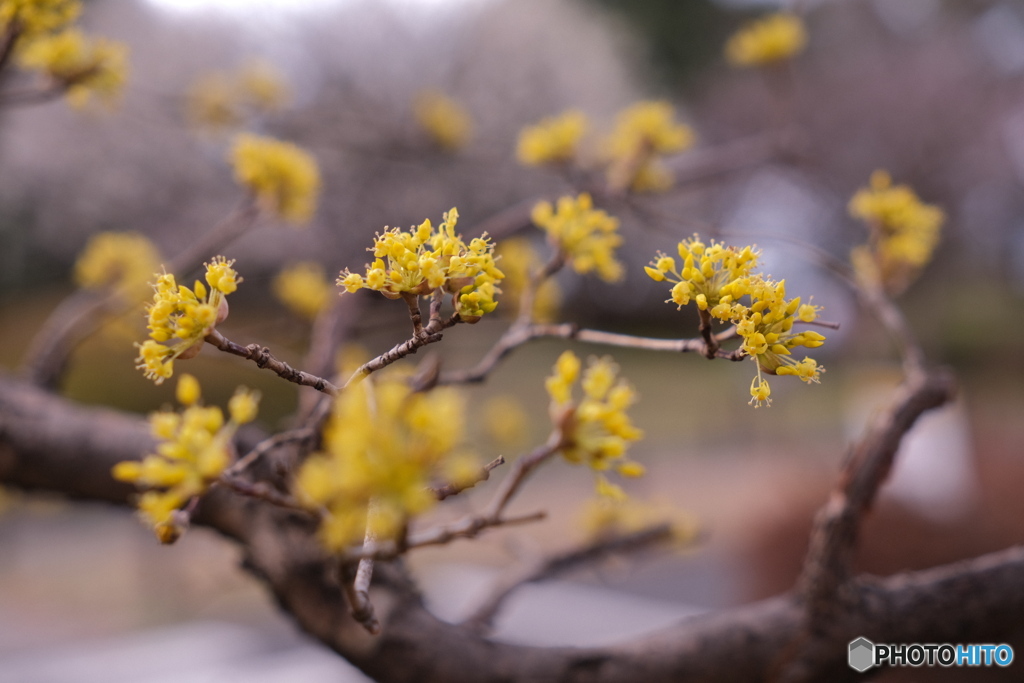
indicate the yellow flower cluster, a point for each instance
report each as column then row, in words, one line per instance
column 905, row 231
column 220, row 101
column 384, row 445
column 771, row 39
column 552, row 141
column 283, row 177
column 716, row 277
column 520, row 263
column 193, row 449
column 184, row 317
column 417, row 262
column 35, row 17
column 303, row 288
column 84, row 66
column 643, row 132
column 446, row 121
column 121, row 260
column 596, row 430
column 587, row 236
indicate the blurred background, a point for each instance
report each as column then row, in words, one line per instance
column 932, row 90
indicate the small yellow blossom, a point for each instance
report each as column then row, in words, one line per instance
column 904, row 232
column 643, row 133
column 552, row 141
column 303, row 288
column 506, row 422
column 179, row 318
column 446, row 121
column 424, row 259
column 284, row 178
column 771, row 39
column 122, row 260
column 587, row 236
column 520, row 263
column 193, row 449
column 84, row 66
column 605, row 517
column 713, row 275
column 384, row 445
column 595, row 430
column 36, row 17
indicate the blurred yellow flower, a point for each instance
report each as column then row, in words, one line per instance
column 643, row 132
column 904, row 232
column 303, row 287
column 587, row 236
column 554, row 140
column 122, row 260
column 193, row 449
column 384, row 445
column 84, row 66
column 520, row 263
column 283, row 177
column 446, row 121
column 771, row 39
column 506, row 422
column 596, row 430
column 35, row 17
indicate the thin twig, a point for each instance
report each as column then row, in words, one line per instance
column 267, row 445
column 451, row 489
column 263, row 491
column 482, row 617
column 263, row 358
column 430, row 334
column 358, row 591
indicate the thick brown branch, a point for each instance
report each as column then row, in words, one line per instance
column 51, row 444
column 263, row 358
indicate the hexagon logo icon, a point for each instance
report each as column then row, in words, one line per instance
column 862, row 654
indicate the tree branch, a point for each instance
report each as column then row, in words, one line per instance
column 48, row 443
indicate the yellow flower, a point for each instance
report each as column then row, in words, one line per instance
column 284, row 178
column 905, row 232
column 595, row 430
column 605, row 517
column 83, row 66
column 720, row 279
column 587, row 236
column 520, row 263
column 446, row 121
column 121, row 260
column 424, row 259
column 384, row 445
column 303, row 288
column 771, row 39
column 552, row 141
column 262, row 86
column 506, row 422
column 714, row 276
column 643, row 132
column 211, row 103
column 219, row 101
column 35, row 17
column 183, row 317
column 193, row 449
